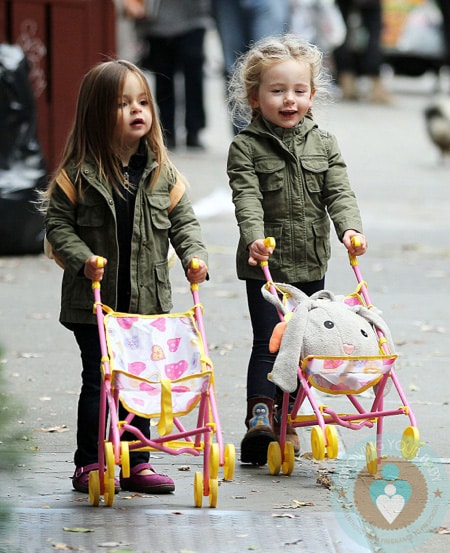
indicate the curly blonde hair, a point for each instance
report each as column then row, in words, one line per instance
column 246, row 78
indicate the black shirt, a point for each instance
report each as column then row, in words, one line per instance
column 124, row 204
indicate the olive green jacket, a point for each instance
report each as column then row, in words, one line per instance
column 88, row 228
column 289, row 187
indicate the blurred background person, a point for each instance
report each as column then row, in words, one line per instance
column 172, row 36
column 242, row 22
column 444, row 6
column 361, row 53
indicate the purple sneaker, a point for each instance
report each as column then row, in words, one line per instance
column 146, row 483
column 80, row 479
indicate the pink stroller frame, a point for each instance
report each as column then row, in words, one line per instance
column 158, row 367
column 318, row 372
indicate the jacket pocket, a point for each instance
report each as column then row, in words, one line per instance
column 314, row 169
column 270, row 172
column 77, row 293
column 90, row 214
column 322, row 248
column 159, row 205
column 163, row 288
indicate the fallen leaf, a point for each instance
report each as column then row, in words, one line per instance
column 324, row 480
column 296, row 542
column 295, row 505
column 113, row 544
column 61, row 428
column 64, row 547
column 25, row 355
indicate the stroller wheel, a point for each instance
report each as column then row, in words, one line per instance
column 317, row 443
column 214, row 461
column 332, row 441
column 371, row 458
column 109, row 460
column 229, row 462
column 94, row 488
column 108, row 496
column 274, row 458
column 410, row 442
column 288, row 459
column 198, row 489
column 125, row 459
column 213, row 492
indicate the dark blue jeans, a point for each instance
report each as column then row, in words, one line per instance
column 89, row 401
column 264, row 317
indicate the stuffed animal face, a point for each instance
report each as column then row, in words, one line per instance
column 324, row 326
column 334, row 329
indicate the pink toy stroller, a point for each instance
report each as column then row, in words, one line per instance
column 344, row 375
column 158, row 367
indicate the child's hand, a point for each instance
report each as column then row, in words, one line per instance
column 258, row 251
column 358, row 249
column 91, row 269
column 198, row 275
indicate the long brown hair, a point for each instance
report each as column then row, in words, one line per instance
column 92, row 132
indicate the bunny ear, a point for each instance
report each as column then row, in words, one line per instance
column 292, row 291
column 284, row 371
column 376, row 320
column 323, row 295
column 294, row 296
column 274, row 300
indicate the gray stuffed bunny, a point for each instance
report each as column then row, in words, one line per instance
column 322, row 325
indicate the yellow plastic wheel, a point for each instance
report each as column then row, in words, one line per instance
column 108, row 496
column 213, row 492
column 214, row 461
column 125, row 459
column 371, row 458
column 94, row 488
column 229, row 462
column 331, row 435
column 198, row 489
column 410, row 442
column 289, row 459
column 109, row 460
column 317, row 443
column 274, row 458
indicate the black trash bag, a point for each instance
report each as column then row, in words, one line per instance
column 23, row 170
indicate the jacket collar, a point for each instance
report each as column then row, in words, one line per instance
column 261, row 126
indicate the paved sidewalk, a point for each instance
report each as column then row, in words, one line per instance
column 404, row 197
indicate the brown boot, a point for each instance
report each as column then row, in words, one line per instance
column 378, row 93
column 259, row 422
column 347, row 84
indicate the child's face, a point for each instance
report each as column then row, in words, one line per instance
column 284, row 95
column 134, row 117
